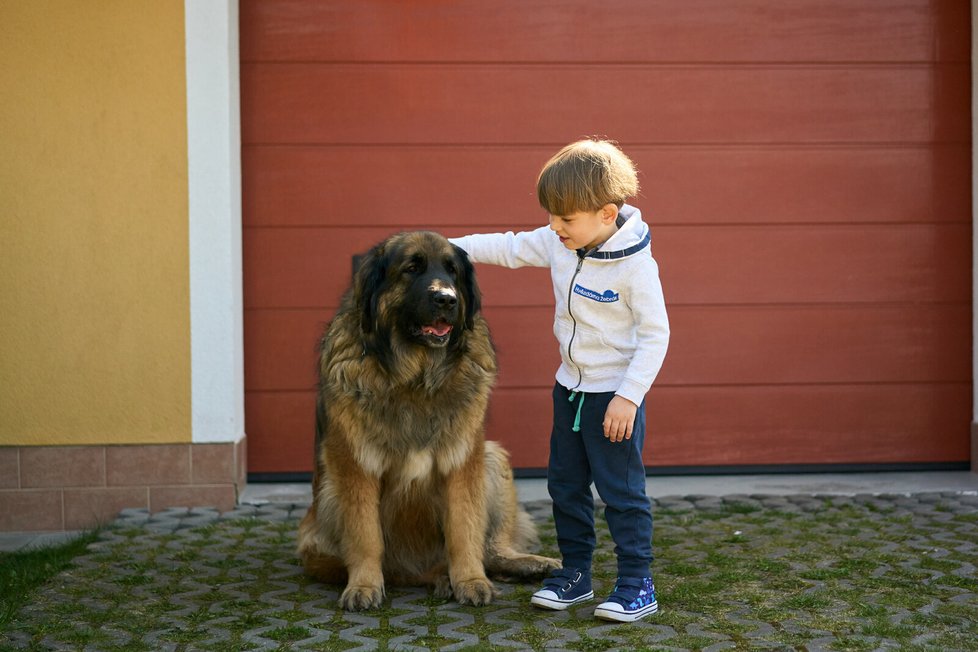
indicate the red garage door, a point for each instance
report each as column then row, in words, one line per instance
column 805, row 167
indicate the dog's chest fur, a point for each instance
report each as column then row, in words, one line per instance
column 409, row 429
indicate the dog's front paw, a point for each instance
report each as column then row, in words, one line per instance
column 477, row 592
column 358, row 598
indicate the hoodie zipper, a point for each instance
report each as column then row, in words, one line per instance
column 570, row 293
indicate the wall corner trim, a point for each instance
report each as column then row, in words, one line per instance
column 214, row 176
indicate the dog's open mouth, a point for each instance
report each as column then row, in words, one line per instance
column 437, row 332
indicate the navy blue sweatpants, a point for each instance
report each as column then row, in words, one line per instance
column 577, row 459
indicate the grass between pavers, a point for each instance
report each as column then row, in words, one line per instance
column 21, row 573
column 838, row 574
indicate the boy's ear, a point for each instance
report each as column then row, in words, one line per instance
column 609, row 213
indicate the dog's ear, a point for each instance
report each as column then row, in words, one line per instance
column 473, row 297
column 367, row 283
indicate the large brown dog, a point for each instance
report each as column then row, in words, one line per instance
column 406, row 489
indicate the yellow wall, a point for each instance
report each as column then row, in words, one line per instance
column 94, row 285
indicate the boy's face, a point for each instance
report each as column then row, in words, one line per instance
column 585, row 229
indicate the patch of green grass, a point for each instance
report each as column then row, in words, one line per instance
column 384, row 634
column 588, row 644
column 684, row 569
column 822, row 574
column 333, row 645
column 288, row 634
column 883, row 628
column 291, row 616
column 689, row 642
column 482, row 629
column 184, row 635
column 433, row 641
column 432, row 620
column 21, row 573
column 533, row 637
column 740, row 508
column 246, row 621
column 813, row 601
column 850, row 644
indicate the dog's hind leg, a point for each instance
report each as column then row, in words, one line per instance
column 436, row 578
column 511, row 531
column 321, row 565
column 504, row 563
column 504, row 559
column 325, row 568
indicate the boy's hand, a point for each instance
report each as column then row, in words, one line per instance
column 619, row 419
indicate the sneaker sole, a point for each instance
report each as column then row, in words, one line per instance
column 559, row 605
column 626, row 616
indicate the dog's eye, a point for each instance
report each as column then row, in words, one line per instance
column 451, row 267
column 414, row 266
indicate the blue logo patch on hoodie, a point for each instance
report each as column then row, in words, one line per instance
column 608, row 296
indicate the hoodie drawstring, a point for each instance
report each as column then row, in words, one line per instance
column 580, row 404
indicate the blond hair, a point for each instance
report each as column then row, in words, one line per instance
column 586, row 175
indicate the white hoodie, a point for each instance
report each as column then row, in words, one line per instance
column 610, row 317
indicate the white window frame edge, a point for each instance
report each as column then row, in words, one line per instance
column 214, row 198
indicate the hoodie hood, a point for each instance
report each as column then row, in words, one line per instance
column 632, row 236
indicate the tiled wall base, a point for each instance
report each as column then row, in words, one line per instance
column 79, row 487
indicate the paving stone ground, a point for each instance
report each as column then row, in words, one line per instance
column 866, row 572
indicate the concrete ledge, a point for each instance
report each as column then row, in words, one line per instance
column 774, row 484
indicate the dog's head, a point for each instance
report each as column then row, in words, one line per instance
column 419, row 287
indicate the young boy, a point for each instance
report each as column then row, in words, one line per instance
column 613, row 332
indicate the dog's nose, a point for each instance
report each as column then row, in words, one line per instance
column 444, row 298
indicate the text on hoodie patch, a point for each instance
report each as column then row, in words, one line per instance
column 608, row 296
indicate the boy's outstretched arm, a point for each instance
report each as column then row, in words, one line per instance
column 526, row 248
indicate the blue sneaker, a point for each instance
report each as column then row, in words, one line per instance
column 633, row 598
column 564, row 587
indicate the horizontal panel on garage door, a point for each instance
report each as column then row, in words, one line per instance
column 695, row 426
column 283, row 345
column 818, row 344
column 403, row 186
column 318, row 103
column 814, row 264
column 286, row 422
column 565, row 30
column 807, row 424
column 302, row 267
column 709, row 345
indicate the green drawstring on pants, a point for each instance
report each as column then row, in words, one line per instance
column 577, row 417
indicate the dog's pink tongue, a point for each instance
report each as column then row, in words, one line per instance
column 440, row 328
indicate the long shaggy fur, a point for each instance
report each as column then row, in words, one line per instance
column 406, row 489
